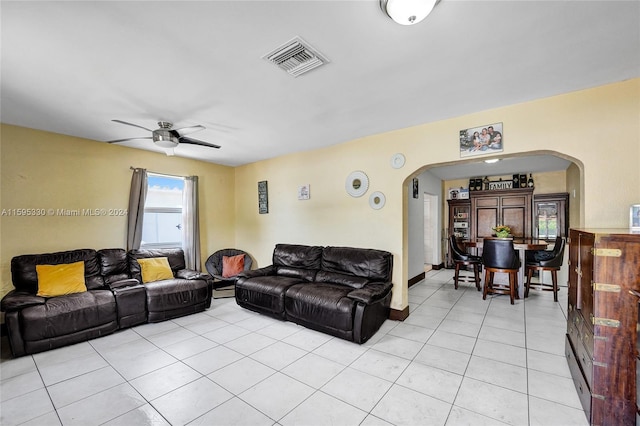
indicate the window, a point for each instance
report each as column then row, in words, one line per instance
column 162, row 223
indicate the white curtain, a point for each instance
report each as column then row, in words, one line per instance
column 190, row 223
column 137, row 196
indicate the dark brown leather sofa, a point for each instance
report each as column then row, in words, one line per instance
column 341, row 291
column 114, row 298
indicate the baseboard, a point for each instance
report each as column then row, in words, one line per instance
column 437, row 267
column 397, row 315
column 416, row 279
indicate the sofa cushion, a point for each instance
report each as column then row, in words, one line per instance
column 342, row 279
column 25, row 277
column 266, row 292
column 113, row 265
column 68, row 314
column 175, row 257
column 297, row 256
column 325, row 304
column 300, row 273
column 58, row 280
column 175, row 293
column 155, row 269
column 376, row 265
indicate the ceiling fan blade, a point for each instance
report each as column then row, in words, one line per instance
column 129, row 139
column 197, row 142
column 186, row 130
column 131, row 124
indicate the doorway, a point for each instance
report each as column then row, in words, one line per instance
column 431, row 237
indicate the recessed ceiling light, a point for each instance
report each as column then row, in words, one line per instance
column 491, row 161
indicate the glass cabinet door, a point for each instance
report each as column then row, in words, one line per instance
column 546, row 220
column 550, row 216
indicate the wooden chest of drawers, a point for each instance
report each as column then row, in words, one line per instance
column 604, row 266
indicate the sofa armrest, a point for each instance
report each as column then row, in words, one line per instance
column 190, row 274
column 16, row 300
column 123, row 283
column 371, row 293
column 260, row 272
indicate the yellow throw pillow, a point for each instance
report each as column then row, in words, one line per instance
column 155, row 269
column 57, row 280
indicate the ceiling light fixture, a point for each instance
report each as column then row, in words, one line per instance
column 407, row 12
column 164, row 137
column 491, row 161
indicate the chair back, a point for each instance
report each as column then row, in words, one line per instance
column 499, row 253
column 558, row 255
column 456, row 252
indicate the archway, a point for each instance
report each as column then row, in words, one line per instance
column 573, row 183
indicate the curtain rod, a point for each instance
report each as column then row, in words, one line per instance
column 157, row 173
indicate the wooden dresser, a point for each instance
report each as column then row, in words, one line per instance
column 604, row 267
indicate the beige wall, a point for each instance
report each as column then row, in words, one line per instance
column 42, row 170
column 597, row 129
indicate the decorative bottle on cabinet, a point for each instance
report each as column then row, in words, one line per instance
column 604, row 266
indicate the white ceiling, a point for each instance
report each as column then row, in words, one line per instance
column 72, row 67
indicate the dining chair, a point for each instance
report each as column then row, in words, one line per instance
column 499, row 255
column 463, row 259
column 545, row 260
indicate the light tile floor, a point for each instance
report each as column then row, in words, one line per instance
column 456, row 360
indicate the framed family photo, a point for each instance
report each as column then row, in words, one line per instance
column 485, row 139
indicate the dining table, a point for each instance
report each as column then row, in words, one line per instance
column 521, row 245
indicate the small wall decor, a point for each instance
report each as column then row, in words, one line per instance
column 263, row 197
column 415, row 188
column 377, row 200
column 357, row 184
column 634, row 217
column 497, row 185
column 304, row 192
column 486, row 139
column 397, row 161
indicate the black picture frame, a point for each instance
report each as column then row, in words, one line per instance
column 415, row 188
column 263, row 197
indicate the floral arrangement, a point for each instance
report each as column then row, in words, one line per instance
column 502, row 230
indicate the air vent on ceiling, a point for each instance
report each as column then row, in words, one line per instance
column 296, row 57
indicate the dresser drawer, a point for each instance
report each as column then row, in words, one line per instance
column 579, row 381
column 585, row 360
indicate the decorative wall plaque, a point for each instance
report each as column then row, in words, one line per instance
column 263, row 197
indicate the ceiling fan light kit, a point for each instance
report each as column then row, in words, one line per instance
column 407, row 12
column 166, row 137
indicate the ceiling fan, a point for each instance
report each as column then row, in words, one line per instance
column 166, row 137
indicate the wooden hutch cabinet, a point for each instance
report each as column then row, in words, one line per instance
column 459, row 223
column 511, row 207
column 604, row 269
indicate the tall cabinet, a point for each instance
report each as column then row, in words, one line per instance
column 604, row 269
column 459, row 223
column 511, row 207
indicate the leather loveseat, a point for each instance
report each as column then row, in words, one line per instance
column 114, row 297
column 341, row 291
